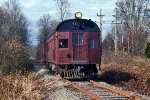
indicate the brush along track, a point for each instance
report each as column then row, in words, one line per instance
column 97, row 91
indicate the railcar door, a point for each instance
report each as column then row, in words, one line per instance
column 78, row 40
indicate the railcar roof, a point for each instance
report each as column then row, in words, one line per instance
column 78, row 25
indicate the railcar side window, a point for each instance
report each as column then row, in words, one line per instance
column 90, row 43
column 93, row 43
column 63, row 43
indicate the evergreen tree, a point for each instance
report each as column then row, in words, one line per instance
column 147, row 50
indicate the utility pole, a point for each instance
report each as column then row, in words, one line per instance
column 101, row 21
column 101, row 16
column 115, row 41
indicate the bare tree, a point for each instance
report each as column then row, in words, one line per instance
column 134, row 14
column 39, row 52
column 63, row 9
column 15, row 23
column 32, row 51
column 1, row 26
column 47, row 25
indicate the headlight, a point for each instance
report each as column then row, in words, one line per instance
column 78, row 15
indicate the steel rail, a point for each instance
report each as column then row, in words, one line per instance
column 99, row 85
column 120, row 92
column 88, row 93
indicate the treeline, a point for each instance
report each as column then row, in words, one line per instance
column 14, row 37
column 132, row 31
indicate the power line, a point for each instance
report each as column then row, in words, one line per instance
column 104, row 22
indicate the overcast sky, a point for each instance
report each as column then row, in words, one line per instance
column 34, row 9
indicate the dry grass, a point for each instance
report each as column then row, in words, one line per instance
column 17, row 87
column 137, row 67
column 134, row 65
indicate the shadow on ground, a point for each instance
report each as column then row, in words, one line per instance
column 113, row 77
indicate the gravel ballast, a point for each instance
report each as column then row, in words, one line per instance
column 57, row 89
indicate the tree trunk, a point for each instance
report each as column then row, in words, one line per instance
column 122, row 42
column 128, row 44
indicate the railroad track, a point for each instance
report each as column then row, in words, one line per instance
column 98, row 91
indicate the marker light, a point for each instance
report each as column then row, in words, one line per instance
column 78, row 15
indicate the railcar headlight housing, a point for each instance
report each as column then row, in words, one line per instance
column 78, row 15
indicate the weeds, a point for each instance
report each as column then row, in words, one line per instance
column 18, row 87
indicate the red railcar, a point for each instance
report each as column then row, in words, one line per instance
column 74, row 47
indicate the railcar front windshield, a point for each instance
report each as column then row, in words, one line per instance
column 78, row 39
